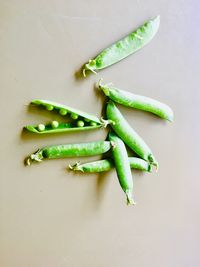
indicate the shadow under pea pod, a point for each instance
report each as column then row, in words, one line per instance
column 79, row 74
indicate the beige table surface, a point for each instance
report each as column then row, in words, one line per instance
column 51, row 217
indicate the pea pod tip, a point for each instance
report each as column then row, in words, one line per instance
column 171, row 118
column 157, row 17
column 156, row 20
column 129, row 197
column 30, row 128
column 36, row 101
column 104, row 87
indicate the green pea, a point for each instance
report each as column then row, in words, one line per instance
column 137, row 101
column 80, row 123
column 123, row 129
column 70, row 150
column 74, row 116
column 87, row 120
column 63, row 111
column 124, row 47
column 93, row 123
column 41, row 127
column 49, row 107
column 54, row 124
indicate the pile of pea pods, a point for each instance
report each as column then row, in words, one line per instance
column 121, row 134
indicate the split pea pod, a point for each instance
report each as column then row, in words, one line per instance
column 123, row 129
column 69, row 150
column 80, row 120
column 107, row 164
column 137, row 101
column 124, row 47
column 121, row 161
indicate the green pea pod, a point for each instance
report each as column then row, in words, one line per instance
column 128, row 134
column 63, row 127
column 137, row 101
column 107, row 164
column 81, row 121
column 124, row 47
column 121, row 161
column 69, row 150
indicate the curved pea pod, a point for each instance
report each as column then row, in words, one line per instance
column 107, row 164
column 80, row 120
column 137, row 101
column 121, row 161
column 124, row 47
column 69, row 150
column 128, row 134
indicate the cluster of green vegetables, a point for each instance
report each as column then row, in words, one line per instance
column 120, row 134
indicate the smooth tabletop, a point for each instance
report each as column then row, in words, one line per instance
column 53, row 217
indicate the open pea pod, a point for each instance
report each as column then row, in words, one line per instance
column 80, row 120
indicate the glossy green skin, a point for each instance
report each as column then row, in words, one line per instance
column 108, row 164
column 128, row 134
column 124, row 47
column 122, row 165
column 64, row 127
column 70, row 150
column 139, row 102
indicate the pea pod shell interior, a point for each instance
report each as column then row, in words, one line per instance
column 58, row 106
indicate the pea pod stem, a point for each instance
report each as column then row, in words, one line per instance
column 144, row 103
column 69, row 150
column 88, row 67
column 105, row 123
column 108, row 164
